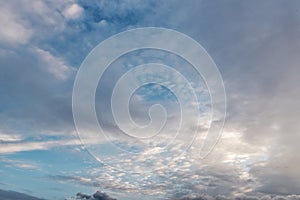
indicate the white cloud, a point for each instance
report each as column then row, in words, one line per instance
column 12, row 30
column 14, row 143
column 4, row 137
column 55, row 66
column 8, row 148
column 102, row 23
column 20, row 164
column 73, row 11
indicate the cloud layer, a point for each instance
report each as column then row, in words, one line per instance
column 255, row 47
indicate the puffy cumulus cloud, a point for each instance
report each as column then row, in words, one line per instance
column 73, row 11
column 97, row 196
column 23, row 22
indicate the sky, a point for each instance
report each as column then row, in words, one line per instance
column 255, row 46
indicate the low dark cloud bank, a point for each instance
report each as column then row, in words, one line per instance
column 97, row 196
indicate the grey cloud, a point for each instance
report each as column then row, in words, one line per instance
column 33, row 99
column 255, row 47
column 97, row 196
column 31, row 95
column 266, row 197
column 75, row 179
column 257, row 53
column 103, row 196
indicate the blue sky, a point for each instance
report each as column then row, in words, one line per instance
column 255, row 45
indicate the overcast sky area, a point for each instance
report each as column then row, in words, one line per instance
column 255, row 45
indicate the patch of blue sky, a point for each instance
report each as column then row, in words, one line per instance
column 154, row 92
column 151, row 92
column 99, row 21
column 34, row 170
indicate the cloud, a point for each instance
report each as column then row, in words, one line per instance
column 55, row 66
column 103, row 196
column 97, row 196
column 39, row 74
column 10, row 145
column 244, row 197
column 256, row 49
column 37, row 81
column 28, row 21
column 20, row 164
column 5, row 137
column 13, row 30
column 9, row 148
column 73, row 11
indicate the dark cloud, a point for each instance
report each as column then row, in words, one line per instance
column 97, row 196
column 31, row 95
